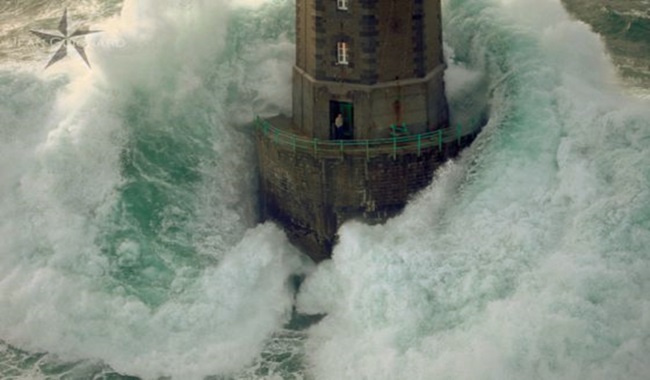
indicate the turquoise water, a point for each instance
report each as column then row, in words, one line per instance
column 130, row 241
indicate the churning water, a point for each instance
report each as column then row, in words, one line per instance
column 129, row 242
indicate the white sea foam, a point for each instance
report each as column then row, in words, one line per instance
column 67, row 136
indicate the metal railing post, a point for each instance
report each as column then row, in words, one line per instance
column 419, row 144
column 394, row 148
column 367, row 150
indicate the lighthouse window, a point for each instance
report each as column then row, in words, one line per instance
column 342, row 4
column 342, row 53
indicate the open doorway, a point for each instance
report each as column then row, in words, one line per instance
column 341, row 120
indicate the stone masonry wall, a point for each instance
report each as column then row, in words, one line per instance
column 311, row 196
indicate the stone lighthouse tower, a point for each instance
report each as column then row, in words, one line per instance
column 370, row 120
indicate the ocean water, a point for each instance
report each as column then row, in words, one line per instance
column 624, row 26
column 130, row 244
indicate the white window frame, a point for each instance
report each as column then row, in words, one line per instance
column 342, row 53
column 342, row 5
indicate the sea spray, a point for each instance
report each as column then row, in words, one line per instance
column 130, row 228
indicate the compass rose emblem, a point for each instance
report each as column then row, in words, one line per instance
column 65, row 38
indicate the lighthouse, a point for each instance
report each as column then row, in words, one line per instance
column 370, row 121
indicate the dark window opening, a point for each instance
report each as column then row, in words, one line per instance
column 341, row 120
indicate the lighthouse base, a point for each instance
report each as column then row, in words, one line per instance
column 311, row 192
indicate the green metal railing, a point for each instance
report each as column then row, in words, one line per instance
column 416, row 143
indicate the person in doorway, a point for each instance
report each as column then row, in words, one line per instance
column 338, row 127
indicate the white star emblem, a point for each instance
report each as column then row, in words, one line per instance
column 52, row 38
